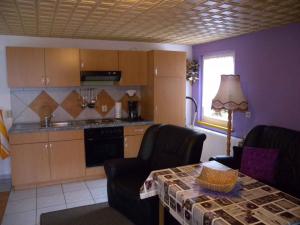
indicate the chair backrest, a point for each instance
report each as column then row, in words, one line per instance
column 288, row 142
column 166, row 146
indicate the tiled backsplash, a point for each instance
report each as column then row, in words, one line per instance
column 28, row 105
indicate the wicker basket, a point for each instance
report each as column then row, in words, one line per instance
column 218, row 180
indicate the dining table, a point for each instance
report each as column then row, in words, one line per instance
column 250, row 202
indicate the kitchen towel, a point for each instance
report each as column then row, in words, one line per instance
column 3, row 138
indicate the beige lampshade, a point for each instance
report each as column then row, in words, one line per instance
column 230, row 95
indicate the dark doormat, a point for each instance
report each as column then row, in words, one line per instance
column 98, row 214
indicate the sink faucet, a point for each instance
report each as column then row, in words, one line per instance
column 46, row 122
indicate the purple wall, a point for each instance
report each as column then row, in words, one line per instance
column 269, row 64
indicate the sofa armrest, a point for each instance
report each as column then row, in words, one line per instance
column 119, row 167
column 225, row 160
column 234, row 161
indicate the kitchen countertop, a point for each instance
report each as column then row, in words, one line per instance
column 74, row 125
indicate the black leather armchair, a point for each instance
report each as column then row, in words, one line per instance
column 287, row 141
column 163, row 146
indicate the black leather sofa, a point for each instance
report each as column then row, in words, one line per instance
column 162, row 146
column 287, row 141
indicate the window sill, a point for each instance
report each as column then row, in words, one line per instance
column 212, row 125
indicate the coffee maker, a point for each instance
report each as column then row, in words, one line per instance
column 133, row 111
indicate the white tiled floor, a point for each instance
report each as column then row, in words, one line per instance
column 25, row 207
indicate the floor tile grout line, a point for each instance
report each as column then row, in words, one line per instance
column 61, row 185
column 90, row 192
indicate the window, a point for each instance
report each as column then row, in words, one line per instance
column 213, row 68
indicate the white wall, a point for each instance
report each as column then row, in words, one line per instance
column 67, row 43
column 215, row 143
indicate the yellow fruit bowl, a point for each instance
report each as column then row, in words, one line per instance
column 217, row 180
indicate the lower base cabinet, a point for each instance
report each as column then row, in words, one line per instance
column 67, row 159
column 133, row 137
column 132, row 145
column 58, row 156
column 30, row 163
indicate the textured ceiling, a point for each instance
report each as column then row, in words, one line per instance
column 173, row 21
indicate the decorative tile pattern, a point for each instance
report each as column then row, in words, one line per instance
column 104, row 99
column 43, row 105
column 176, row 21
column 71, row 104
column 125, row 100
column 66, row 103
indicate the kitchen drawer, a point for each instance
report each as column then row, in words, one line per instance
column 28, row 138
column 65, row 135
column 135, row 130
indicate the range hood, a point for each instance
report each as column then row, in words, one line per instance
column 94, row 78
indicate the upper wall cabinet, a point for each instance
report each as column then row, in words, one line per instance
column 62, row 67
column 133, row 65
column 169, row 63
column 39, row 67
column 25, row 67
column 99, row 60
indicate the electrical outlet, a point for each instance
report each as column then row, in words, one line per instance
column 104, row 108
column 248, row 114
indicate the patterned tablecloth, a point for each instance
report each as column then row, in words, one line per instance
column 251, row 202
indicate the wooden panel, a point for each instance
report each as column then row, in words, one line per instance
column 97, row 171
column 135, row 130
column 170, row 64
column 25, row 67
column 101, row 60
column 65, row 135
column 62, row 67
column 132, row 145
column 67, row 159
column 147, row 92
column 30, row 163
column 133, row 65
column 26, row 138
column 169, row 100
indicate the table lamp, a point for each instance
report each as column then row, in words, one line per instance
column 231, row 98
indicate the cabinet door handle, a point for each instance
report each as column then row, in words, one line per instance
column 47, row 80
column 50, row 146
column 155, row 71
column 46, row 147
column 82, row 65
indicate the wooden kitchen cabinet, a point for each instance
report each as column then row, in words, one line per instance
column 169, row 98
column 169, row 63
column 67, row 159
column 163, row 99
column 25, row 67
column 62, row 67
column 132, row 145
column 30, row 163
column 133, row 136
column 133, row 65
column 99, row 60
column 47, row 157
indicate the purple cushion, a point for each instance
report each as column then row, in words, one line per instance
column 260, row 163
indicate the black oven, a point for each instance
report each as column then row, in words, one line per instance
column 102, row 144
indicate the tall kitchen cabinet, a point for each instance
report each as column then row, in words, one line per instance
column 163, row 99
